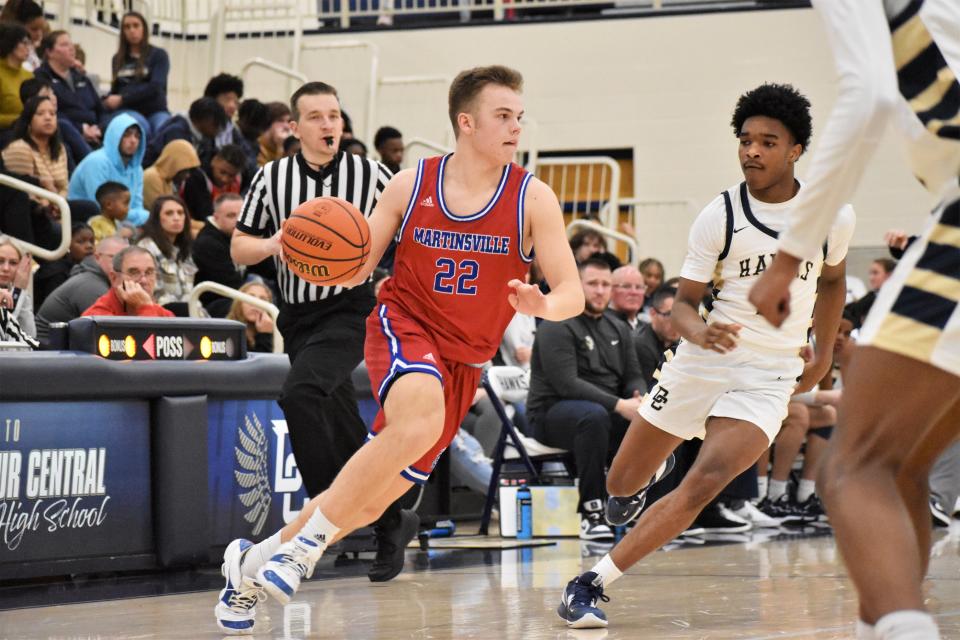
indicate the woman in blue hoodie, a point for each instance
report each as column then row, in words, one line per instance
column 118, row 160
column 139, row 76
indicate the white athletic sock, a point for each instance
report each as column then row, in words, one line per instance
column 906, row 625
column 805, row 489
column 607, row 570
column 320, row 530
column 865, row 631
column 776, row 489
column 762, row 483
column 258, row 555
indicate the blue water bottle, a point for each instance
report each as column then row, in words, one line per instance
column 524, row 513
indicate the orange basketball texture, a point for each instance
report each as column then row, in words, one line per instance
column 325, row 241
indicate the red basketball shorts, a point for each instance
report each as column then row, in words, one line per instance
column 395, row 345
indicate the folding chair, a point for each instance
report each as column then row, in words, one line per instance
column 509, row 384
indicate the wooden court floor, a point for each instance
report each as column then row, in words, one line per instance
column 792, row 587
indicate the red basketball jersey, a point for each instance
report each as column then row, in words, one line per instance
column 451, row 271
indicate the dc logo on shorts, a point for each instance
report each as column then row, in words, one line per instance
column 659, row 399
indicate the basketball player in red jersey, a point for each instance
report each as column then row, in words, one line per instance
column 467, row 225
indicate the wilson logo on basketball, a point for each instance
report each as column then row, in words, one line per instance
column 305, row 268
column 310, row 239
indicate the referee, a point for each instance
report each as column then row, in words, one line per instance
column 323, row 327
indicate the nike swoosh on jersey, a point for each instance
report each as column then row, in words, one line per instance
column 740, row 229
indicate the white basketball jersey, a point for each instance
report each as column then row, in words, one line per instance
column 733, row 241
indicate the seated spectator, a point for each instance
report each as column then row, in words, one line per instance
column 139, row 77
column 354, row 146
column 200, row 127
column 291, row 146
column 389, row 144
column 659, row 336
column 14, row 50
column 584, row 390
column 29, row 15
column 88, row 281
column 166, row 235
column 14, row 285
column 37, row 150
column 585, row 243
column 51, row 275
column 652, row 270
column 10, row 329
column 119, row 160
column 211, row 253
column 222, row 175
column 259, row 324
column 114, row 201
column 516, row 347
column 169, row 173
column 77, row 98
column 253, row 120
column 227, row 91
column 132, row 282
column 76, row 147
column 271, row 142
column 880, row 271
column 628, row 294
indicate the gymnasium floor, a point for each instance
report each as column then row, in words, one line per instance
column 744, row 586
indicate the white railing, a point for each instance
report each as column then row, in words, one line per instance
column 60, row 202
column 587, row 185
column 633, row 256
column 215, row 287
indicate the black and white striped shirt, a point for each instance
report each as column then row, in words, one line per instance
column 282, row 185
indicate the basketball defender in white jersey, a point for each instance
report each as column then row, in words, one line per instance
column 900, row 60
column 733, row 374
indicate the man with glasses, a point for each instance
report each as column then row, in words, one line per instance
column 88, row 281
column 134, row 278
column 628, row 295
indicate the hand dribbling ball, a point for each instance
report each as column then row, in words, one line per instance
column 325, row 241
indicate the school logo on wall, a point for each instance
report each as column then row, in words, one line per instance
column 253, row 471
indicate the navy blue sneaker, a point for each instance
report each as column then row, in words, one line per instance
column 578, row 606
column 621, row 511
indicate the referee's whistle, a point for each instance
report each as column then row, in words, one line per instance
column 329, row 140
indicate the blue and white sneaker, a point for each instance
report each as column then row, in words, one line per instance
column 236, row 609
column 622, row 511
column 578, row 606
column 292, row 562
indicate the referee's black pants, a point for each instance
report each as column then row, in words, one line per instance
column 325, row 343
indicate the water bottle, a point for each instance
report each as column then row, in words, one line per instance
column 524, row 513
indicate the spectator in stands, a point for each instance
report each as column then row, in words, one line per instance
column 354, row 146
column 584, row 390
column 200, row 127
column 76, row 147
column 169, row 173
column 880, row 270
column 585, row 243
column 271, row 142
column 516, row 346
column 10, row 329
column 37, row 150
column 29, row 15
column 166, row 235
column 211, row 252
column 628, row 294
column 88, row 281
column 118, row 160
column 114, row 201
column 14, row 50
column 222, row 175
column 139, row 77
column 51, row 275
column 77, row 98
column 652, row 270
column 389, row 144
column 226, row 90
column 291, row 146
column 253, row 120
column 132, row 282
column 259, row 324
column 653, row 339
column 14, row 285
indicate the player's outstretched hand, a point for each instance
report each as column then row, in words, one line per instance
column 720, row 337
column 527, row 298
column 771, row 294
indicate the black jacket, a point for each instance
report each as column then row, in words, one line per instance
column 81, row 104
column 148, row 94
column 650, row 352
column 211, row 253
column 583, row 358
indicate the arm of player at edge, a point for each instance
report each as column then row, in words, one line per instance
column 565, row 300
column 860, row 41
column 385, row 221
column 831, row 296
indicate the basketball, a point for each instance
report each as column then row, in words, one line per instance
column 325, row 241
